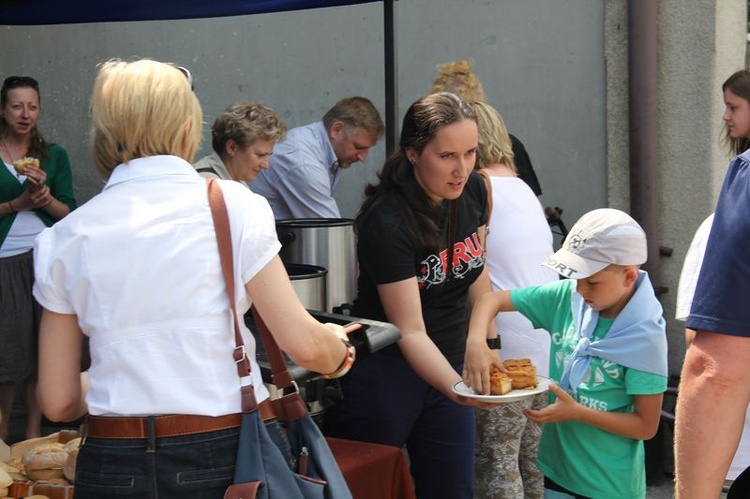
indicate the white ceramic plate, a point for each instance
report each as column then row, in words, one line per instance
column 512, row 396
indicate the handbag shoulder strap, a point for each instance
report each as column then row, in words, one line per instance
column 224, row 241
column 281, row 376
column 207, row 169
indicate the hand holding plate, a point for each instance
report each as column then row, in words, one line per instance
column 565, row 408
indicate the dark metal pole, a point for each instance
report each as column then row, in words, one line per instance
column 644, row 173
column 391, row 99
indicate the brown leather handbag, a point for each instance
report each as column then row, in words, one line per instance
column 264, row 468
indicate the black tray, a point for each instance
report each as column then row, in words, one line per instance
column 370, row 337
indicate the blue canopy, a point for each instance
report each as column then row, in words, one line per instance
column 31, row 12
column 38, row 12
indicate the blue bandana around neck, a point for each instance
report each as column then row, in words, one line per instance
column 636, row 340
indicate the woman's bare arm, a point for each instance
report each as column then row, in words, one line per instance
column 403, row 308
column 310, row 344
column 62, row 388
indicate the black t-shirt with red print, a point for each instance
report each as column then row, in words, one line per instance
column 389, row 252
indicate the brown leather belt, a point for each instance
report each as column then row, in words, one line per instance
column 172, row 425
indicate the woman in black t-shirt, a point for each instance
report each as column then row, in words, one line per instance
column 427, row 205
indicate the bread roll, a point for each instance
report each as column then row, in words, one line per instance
column 16, row 463
column 5, row 480
column 7, row 467
column 73, row 444
column 45, row 461
column 521, row 372
column 500, row 383
column 21, row 164
column 69, row 470
column 19, row 477
column 14, row 467
column 66, row 436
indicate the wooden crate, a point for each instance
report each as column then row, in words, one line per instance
column 19, row 490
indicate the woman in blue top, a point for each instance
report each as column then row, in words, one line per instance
column 29, row 202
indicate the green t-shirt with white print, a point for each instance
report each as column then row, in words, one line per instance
column 577, row 456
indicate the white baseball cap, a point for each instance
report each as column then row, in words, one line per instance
column 598, row 239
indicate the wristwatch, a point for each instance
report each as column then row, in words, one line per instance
column 494, row 343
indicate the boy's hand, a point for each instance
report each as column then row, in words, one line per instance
column 477, row 362
column 565, row 408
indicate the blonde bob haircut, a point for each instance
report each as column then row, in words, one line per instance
column 142, row 108
column 494, row 141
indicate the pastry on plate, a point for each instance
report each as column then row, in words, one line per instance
column 500, row 383
column 521, row 372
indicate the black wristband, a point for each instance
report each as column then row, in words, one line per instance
column 494, row 343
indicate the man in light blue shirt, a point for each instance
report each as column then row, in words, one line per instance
column 306, row 167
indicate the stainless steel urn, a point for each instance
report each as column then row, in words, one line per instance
column 328, row 243
column 309, row 283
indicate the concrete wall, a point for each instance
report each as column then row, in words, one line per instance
column 544, row 73
column 542, row 66
column 700, row 43
column 300, row 63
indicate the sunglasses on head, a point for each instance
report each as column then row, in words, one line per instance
column 20, row 81
column 185, row 71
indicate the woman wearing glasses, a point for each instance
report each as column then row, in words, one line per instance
column 33, row 195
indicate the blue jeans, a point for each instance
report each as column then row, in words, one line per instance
column 386, row 402
column 554, row 491
column 197, row 466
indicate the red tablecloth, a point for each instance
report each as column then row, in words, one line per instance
column 373, row 471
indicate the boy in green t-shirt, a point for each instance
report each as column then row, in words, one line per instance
column 608, row 354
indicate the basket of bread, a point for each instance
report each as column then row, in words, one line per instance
column 41, row 467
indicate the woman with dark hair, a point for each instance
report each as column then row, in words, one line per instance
column 421, row 264
column 736, row 91
column 35, row 191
